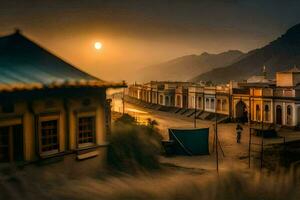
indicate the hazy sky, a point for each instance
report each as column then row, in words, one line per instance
column 137, row 33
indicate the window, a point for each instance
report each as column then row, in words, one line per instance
column 11, row 143
column 267, row 112
column 86, row 130
column 49, row 135
column 167, row 103
column 219, row 104
column 161, row 99
column 212, row 103
column 207, row 103
column 178, row 100
column 199, row 102
column 257, row 109
column 289, row 113
column 193, row 103
column 289, row 110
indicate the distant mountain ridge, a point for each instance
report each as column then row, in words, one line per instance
column 185, row 67
column 279, row 55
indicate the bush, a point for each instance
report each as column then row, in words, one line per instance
column 133, row 147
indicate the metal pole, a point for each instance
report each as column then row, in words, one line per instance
column 195, row 116
column 123, row 100
column 262, row 145
column 284, row 150
column 216, row 140
column 249, row 124
column 216, row 145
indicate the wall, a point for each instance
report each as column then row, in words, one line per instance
column 284, row 79
column 65, row 107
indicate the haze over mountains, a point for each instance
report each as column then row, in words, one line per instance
column 186, row 67
column 279, row 55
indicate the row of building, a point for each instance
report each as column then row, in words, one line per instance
column 274, row 101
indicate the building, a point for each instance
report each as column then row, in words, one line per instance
column 181, row 95
column 196, row 96
column 49, row 108
column 273, row 102
column 262, row 99
column 210, row 98
column 223, row 99
column 166, row 93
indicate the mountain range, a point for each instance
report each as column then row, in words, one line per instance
column 183, row 68
column 279, row 55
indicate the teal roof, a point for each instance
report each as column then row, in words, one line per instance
column 25, row 64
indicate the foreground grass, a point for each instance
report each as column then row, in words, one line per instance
column 168, row 184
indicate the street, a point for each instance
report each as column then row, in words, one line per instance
column 235, row 155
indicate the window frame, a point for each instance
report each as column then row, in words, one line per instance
column 45, row 118
column 82, row 115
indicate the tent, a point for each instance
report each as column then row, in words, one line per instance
column 190, row 141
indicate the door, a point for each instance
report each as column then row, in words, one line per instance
column 278, row 115
column 185, row 101
column 18, row 153
column 4, row 144
column 11, row 143
column 241, row 112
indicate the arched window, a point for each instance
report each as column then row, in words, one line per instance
column 212, row 104
column 267, row 113
column 207, row 103
column 199, row 102
column 278, row 114
column 257, row 109
column 167, row 101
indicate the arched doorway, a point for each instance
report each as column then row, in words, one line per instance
column 167, row 101
column 241, row 112
column 289, row 115
column 278, row 114
column 257, row 112
column 267, row 113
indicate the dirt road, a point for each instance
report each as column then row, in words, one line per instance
column 236, row 155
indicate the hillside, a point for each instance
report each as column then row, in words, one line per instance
column 183, row 68
column 281, row 54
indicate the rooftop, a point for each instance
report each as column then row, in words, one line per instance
column 24, row 65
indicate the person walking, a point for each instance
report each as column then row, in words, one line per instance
column 239, row 130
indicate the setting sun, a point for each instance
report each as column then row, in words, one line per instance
column 98, row 45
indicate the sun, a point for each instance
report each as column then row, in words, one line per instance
column 98, row 45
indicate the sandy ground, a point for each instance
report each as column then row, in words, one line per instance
column 235, row 155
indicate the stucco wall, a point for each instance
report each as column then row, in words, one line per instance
column 66, row 111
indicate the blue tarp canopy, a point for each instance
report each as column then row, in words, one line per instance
column 190, row 141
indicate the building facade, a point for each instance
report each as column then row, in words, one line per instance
column 263, row 100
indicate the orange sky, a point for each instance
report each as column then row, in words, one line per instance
column 136, row 34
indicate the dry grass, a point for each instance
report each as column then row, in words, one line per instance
column 169, row 185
